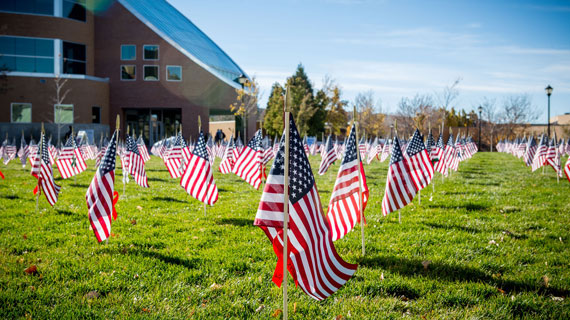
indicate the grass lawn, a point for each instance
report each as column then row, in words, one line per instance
column 497, row 236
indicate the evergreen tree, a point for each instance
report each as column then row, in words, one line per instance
column 273, row 120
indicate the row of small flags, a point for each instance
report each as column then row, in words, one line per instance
column 547, row 152
column 315, row 265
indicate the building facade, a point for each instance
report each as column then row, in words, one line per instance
column 71, row 62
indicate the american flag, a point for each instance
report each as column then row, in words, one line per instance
column 70, row 161
column 443, row 164
column 24, row 151
column 173, row 157
column 437, row 151
column 553, row 157
column 101, row 153
column 429, row 143
column 400, row 190
column 136, row 162
column 540, row 154
column 343, row 210
column 227, row 163
column 312, row 258
column 306, row 145
column 9, row 151
column 362, row 148
column 419, row 163
column 530, row 151
column 45, row 176
column 328, row 156
column 386, row 150
column 100, row 196
column 248, row 164
column 567, row 169
column 142, row 149
column 197, row 179
column 375, row 149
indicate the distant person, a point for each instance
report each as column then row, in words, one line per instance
column 220, row 136
column 67, row 134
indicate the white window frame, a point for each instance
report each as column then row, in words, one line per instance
column 121, row 72
column 166, row 73
column 151, row 45
column 12, row 106
column 121, row 52
column 63, row 104
column 157, row 73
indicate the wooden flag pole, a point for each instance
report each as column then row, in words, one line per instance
column 359, row 181
column 285, row 208
column 200, row 130
column 75, row 175
column 445, row 144
column 432, row 180
column 556, row 150
column 125, row 173
column 394, row 145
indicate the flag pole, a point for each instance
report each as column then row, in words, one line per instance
column 394, row 145
column 443, row 153
column 432, row 180
column 40, row 155
column 556, row 150
column 75, row 175
column 200, row 130
column 125, row 173
column 285, row 206
column 359, row 180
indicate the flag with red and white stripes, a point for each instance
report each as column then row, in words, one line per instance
column 400, row 190
column 313, row 261
column 228, row 160
column 24, row 151
column 70, row 161
column 198, row 179
column 528, row 156
column 553, row 157
column 540, row 154
column 386, row 150
column 142, row 149
column 135, row 162
column 173, row 157
column 328, row 155
column 248, row 164
column 567, row 169
column 419, row 163
column 344, row 207
column 100, row 196
column 45, row 176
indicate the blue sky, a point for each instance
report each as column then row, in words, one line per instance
column 399, row 48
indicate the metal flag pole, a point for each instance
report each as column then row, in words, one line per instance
column 39, row 157
column 556, row 150
column 285, row 206
column 359, row 180
column 432, row 180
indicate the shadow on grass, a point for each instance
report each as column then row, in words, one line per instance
column 193, row 263
column 469, row 206
column 238, row 222
column 9, row 196
column 167, row 199
column 64, row 212
column 80, row 186
column 455, row 272
column 452, row 226
column 157, row 179
column 486, row 183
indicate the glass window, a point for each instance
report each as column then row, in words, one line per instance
column 74, row 9
column 26, row 54
column 21, row 112
column 95, row 114
column 128, row 52
column 174, row 73
column 28, row 6
column 63, row 113
column 150, row 52
column 128, row 72
column 151, row 73
column 74, row 56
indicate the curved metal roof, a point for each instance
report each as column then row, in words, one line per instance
column 180, row 32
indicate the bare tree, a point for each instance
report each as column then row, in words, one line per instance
column 517, row 112
column 245, row 105
column 415, row 113
column 449, row 94
column 58, row 100
column 492, row 117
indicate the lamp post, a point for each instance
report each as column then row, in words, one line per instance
column 480, row 109
column 242, row 79
column 467, row 123
column 391, row 134
column 548, row 93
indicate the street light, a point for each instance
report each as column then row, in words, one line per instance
column 480, row 109
column 548, row 93
column 242, row 79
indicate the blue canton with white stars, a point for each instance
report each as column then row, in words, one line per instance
column 416, row 145
column 429, row 142
column 131, row 145
column 108, row 162
column 255, row 142
column 180, row 140
column 330, row 145
column 44, row 150
column 200, row 149
column 396, row 152
column 301, row 178
column 350, row 152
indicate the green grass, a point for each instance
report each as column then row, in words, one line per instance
column 493, row 232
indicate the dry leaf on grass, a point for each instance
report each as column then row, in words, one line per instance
column 501, row 290
column 92, row 295
column 426, row 264
column 546, row 280
column 133, row 222
column 276, row 313
column 31, row 270
column 145, row 310
column 215, row 286
column 139, row 208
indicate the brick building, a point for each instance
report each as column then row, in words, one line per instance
column 141, row 59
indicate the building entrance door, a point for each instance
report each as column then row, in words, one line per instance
column 153, row 124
